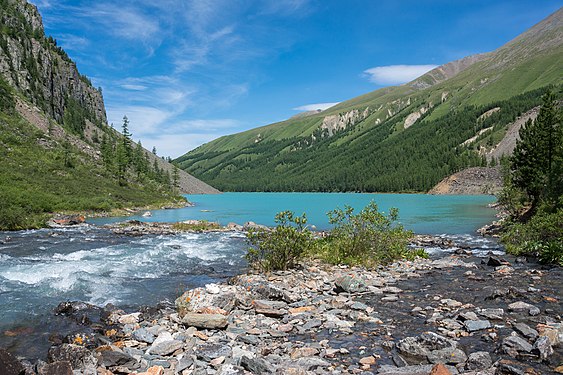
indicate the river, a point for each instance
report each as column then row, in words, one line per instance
column 41, row 268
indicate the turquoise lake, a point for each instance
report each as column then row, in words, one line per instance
column 422, row 213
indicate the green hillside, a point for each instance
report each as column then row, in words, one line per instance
column 380, row 142
column 57, row 151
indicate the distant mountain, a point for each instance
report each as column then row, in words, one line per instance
column 402, row 138
column 58, row 152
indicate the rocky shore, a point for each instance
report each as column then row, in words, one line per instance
column 456, row 314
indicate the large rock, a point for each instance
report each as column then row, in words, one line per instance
column 164, row 344
column 207, row 321
column 421, row 346
column 211, row 351
column 521, row 306
column 479, row 361
column 476, row 325
column 349, row 284
column 256, row 365
column 526, row 331
column 79, row 357
column 9, row 364
column 112, row 358
column 199, row 299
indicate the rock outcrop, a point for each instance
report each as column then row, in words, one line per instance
column 476, row 180
column 334, row 123
column 40, row 69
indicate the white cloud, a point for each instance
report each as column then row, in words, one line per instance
column 396, row 74
column 134, row 87
column 314, row 107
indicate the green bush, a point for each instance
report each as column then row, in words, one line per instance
column 282, row 247
column 541, row 236
column 368, row 237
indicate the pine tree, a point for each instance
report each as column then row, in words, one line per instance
column 533, row 164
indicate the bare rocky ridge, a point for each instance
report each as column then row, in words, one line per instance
column 472, row 181
column 446, row 71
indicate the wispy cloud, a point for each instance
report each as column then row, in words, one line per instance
column 314, row 107
column 396, row 74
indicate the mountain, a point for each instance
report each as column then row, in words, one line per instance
column 402, row 138
column 58, row 152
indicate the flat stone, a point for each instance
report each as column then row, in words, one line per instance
column 370, row 360
column 208, row 321
column 523, row 306
column 515, row 345
column 479, row 361
column 390, row 298
column 476, row 325
column 302, row 309
column 117, row 358
column 211, row 351
column 313, row 323
column 526, row 331
column 359, row 306
column 275, row 309
column 129, row 318
column 166, row 348
column 493, row 314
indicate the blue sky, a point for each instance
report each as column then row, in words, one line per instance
column 188, row 71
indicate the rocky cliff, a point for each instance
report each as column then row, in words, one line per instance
column 470, row 181
column 38, row 68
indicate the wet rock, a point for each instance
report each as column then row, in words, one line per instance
column 450, row 356
column 421, row 346
column 542, row 347
column 476, row 325
column 349, row 284
column 255, row 365
column 9, row 364
column 515, row 346
column 208, row 321
column 270, row 308
column 55, row 368
column 479, row 361
column 496, row 262
column 79, row 357
column 526, row 331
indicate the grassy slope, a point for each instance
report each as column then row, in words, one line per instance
column 35, row 180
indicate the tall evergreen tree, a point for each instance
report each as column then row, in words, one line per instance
column 533, row 164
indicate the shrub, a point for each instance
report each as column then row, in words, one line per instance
column 368, row 237
column 282, row 247
column 541, row 236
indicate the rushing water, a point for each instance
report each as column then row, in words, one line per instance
column 41, row 268
column 429, row 214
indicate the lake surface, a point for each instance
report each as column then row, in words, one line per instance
column 428, row 214
column 41, row 268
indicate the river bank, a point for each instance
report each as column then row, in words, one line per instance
column 487, row 314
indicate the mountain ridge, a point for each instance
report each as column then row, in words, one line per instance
column 528, row 64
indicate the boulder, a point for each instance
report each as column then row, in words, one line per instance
column 9, row 364
column 201, row 298
column 349, row 284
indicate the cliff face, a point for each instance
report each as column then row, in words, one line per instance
column 40, row 69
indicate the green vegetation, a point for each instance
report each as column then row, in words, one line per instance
column 367, row 238
column 533, row 191
column 199, row 226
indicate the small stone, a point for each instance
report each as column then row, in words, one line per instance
column 154, row 370
column 313, row 323
column 476, row 325
column 213, row 289
column 303, row 352
column 440, row 369
column 55, row 368
column 285, row 328
column 143, row 335
column 255, row 365
column 370, row 360
column 217, row 361
column 303, row 309
column 554, row 331
column 129, row 318
column 390, row 298
column 274, row 309
column 523, row 306
column 493, row 314
column 542, row 347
